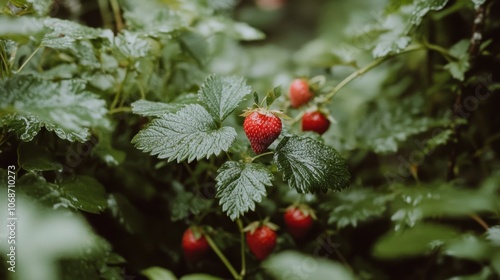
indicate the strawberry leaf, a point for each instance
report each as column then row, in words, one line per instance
column 310, row 166
column 28, row 104
column 147, row 108
column 240, row 185
column 221, row 95
column 190, row 133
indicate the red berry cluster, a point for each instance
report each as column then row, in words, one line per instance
column 300, row 93
column 260, row 236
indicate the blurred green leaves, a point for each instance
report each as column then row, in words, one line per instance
column 65, row 107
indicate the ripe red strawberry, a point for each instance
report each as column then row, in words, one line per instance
column 194, row 246
column 299, row 93
column 299, row 221
column 261, row 128
column 261, row 241
column 315, row 121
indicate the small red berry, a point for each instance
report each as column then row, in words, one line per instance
column 261, row 241
column 298, row 222
column 315, row 121
column 194, row 248
column 299, row 93
column 261, row 128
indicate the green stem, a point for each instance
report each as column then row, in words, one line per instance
column 365, row 69
column 444, row 52
column 118, row 17
column 105, row 14
column 27, row 60
column 119, row 91
column 242, row 237
column 261, row 155
column 120, row 110
column 222, row 257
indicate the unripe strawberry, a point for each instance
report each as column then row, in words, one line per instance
column 299, row 93
column 261, row 241
column 315, row 121
column 261, row 128
column 194, row 248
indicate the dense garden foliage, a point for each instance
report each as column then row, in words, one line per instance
column 267, row 139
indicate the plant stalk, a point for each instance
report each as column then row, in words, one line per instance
column 222, row 257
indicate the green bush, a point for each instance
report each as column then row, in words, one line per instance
column 121, row 128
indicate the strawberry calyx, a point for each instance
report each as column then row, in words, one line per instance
column 257, row 224
column 304, row 209
column 264, row 111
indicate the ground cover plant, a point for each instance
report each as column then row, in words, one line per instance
column 267, row 139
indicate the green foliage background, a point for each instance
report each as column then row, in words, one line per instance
column 121, row 118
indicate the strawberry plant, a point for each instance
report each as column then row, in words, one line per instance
column 224, row 139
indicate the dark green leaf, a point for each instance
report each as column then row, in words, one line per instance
column 199, row 276
column 283, row 264
column 28, row 103
column 416, row 241
column 158, row 273
column 273, row 95
column 196, row 45
column 125, row 213
column 240, row 185
column 191, row 133
column 221, row 95
column 85, row 193
column 461, row 65
column 36, row 158
column 355, row 205
column 310, row 166
column 185, row 204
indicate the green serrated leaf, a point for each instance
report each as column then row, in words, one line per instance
column 355, row 205
column 310, row 166
column 422, row 7
column 221, row 95
column 36, row 158
column 468, row 247
column 153, row 109
column 29, row 103
column 85, row 193
column 272, row 95
column 240, row 185
column 65, row 33
column 190, row 133
column 413, row 242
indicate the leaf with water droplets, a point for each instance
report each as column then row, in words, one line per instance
column 190, row 133
column 65, row 107
column 310, row 166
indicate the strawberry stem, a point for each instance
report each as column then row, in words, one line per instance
column 222, row 257
column 367, row 68
column 242, row 237
column 261, row 155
